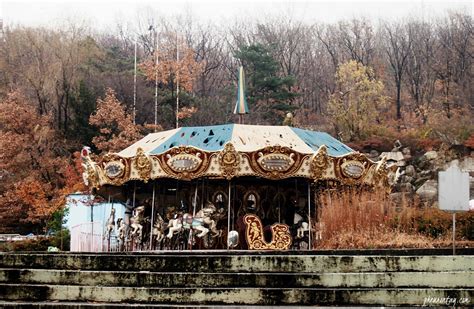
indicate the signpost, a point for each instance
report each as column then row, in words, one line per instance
column 453, row 193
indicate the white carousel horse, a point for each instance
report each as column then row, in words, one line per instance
column 158, row 230
column 136, row 222
column 302, row 225
column 198, row 222
column 110, row 224
column 121, row 230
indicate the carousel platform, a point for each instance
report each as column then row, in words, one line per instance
column 243, row 278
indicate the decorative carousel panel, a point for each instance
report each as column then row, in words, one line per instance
column 351, row 169
column 156, row 170
column 319, row 163
column 276, row 162
column 116, row 169
column 281, row 237
column 185, row 162
column 305, row 168
column 91, row 175
column 141, row 166
column 214, row 169
column 229, row 160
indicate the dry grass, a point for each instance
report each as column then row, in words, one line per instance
column 353, row 219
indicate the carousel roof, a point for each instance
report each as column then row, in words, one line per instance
column 245, row 138
column 231, row 151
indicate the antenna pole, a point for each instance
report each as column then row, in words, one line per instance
column 156, row 80
column 177, row 80
column 135, row 83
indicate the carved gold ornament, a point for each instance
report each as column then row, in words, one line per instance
column 185, row 162
column 229, row 161
column 281, row 237
column 275, row 162
column 116, row 169
column 142, row 164
column 352, row 168
column 319, row 163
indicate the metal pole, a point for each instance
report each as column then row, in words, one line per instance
column 228, row 216
column 152, row 216
column 454, row 233
column 156, row 81
column 177, row 80
column 190, row 241
column 309, row 217
column 135, row 82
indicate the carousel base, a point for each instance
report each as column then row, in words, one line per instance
column 236, row 279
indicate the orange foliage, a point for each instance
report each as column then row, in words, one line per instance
column 186, row 112
column 37, row 171
column 116, row 126
column 169, row 70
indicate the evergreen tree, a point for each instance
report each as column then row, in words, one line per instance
column 268, row 92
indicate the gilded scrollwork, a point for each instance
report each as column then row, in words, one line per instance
column 116, row 169
column 90, row 174
column 142, row 164
column 352, row 168
column 275, row 162
column 319, row 163
column 281, row 237
column 229, row 160
column 185, row 162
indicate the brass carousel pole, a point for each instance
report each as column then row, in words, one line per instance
column 310, row 246
column 228, row 216
column 152, row 216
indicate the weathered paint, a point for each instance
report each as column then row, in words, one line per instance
column 226, row 279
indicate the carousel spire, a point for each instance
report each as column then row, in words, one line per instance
column 241, row 107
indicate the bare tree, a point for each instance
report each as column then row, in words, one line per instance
column 397, row 45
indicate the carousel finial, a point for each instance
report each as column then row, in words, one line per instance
column 241, row 107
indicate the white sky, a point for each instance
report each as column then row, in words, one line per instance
column 104, row 14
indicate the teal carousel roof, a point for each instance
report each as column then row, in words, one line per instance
column 243, row 137
column 231, row 151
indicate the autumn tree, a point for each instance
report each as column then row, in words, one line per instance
column 116, row 127
column 355, row 106
column 174, row 67
column 37, row 171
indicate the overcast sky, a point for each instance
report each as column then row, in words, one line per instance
column 103, row 14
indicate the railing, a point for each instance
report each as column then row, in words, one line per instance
column 90, row 237
column 87, row 237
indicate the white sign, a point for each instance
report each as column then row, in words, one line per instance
column 453, row 192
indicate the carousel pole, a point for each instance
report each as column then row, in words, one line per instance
column 177, row 81
column 190, row 241
column 152, row 217
column 133, row 206
column 108, row 237
column 228, row 216
column 309, row 217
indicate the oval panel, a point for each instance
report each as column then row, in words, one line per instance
column 275, row 162
column 184, row 162
column 114, row 169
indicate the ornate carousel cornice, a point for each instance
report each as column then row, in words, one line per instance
column 272, row 162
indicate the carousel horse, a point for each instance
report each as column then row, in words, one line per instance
column 175, row 225
column 207, row 216
column 110, row 224
column 136, row 222
column 197, row 222
column 121, row 230
column 301, row 224
column 158, row 230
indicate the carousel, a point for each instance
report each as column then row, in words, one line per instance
column 232, row 186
